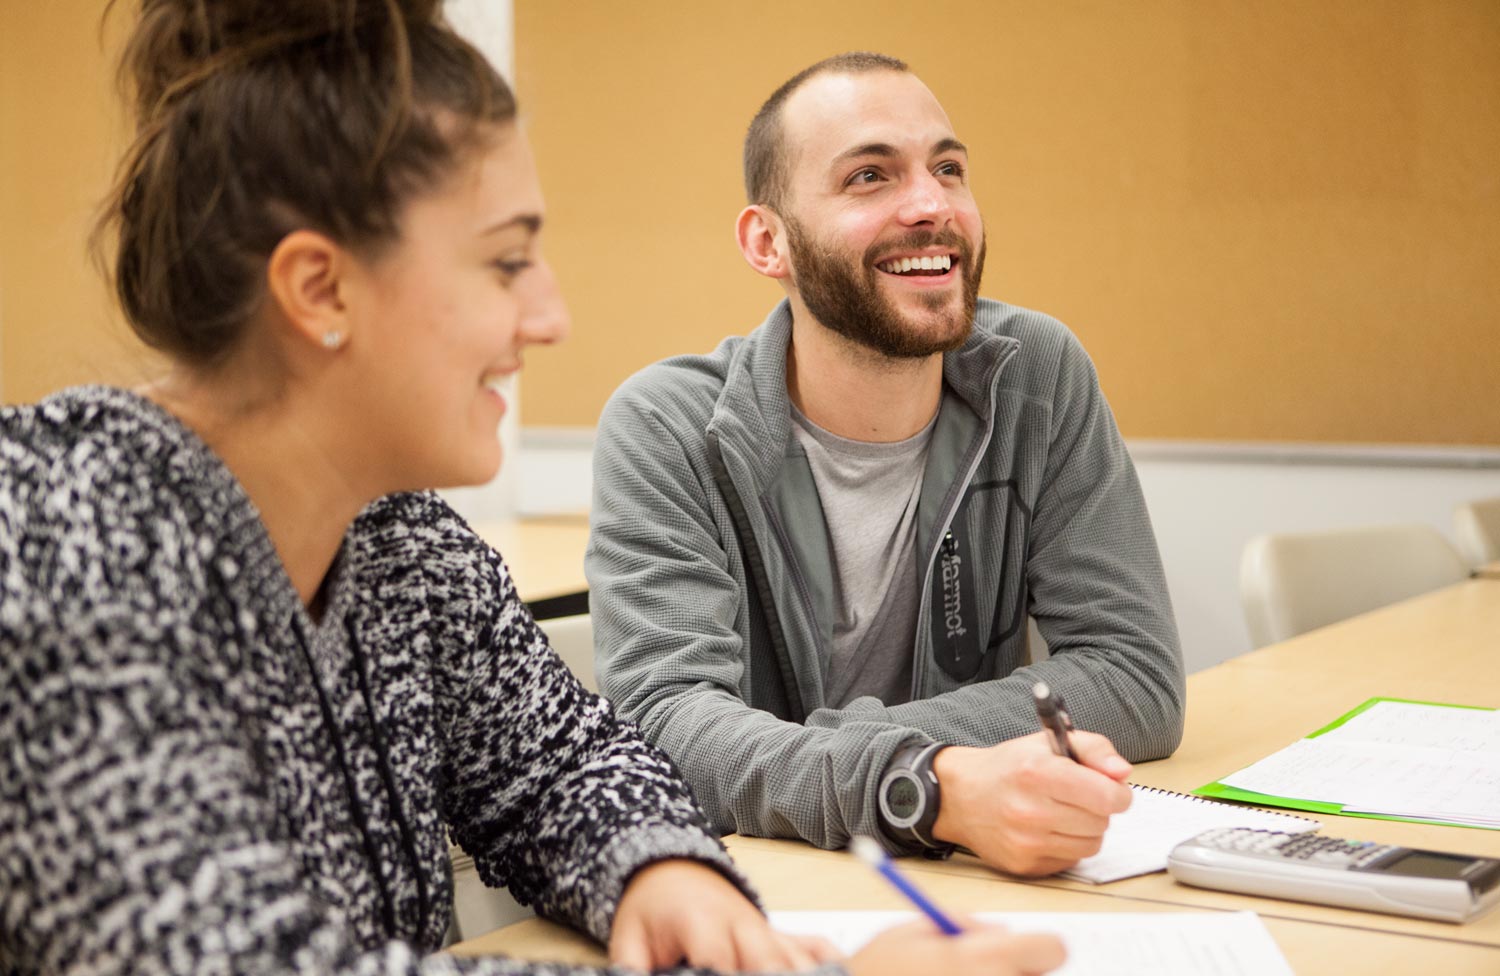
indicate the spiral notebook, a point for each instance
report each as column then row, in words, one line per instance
column 1139, row 840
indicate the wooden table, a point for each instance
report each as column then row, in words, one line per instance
column 545, row 555
column 1490, row 571
column 1443, row 646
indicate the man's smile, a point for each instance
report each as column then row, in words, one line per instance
column 928, row 265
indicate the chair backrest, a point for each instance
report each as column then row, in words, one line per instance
column 1295, row 582
column 1476, row 528
column 573, row 640
column 477, row 908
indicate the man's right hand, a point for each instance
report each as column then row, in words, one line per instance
column 1025, row 810
column 918, row 947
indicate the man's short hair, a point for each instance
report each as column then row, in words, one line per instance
column 765, row 150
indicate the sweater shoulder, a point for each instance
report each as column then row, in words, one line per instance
column 91, row 492
column 418, row 537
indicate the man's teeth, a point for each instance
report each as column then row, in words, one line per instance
column 939, row 263
column 500, row 384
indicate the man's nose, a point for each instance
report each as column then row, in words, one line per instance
column 926, row 201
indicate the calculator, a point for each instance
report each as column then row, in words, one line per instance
column 1332, row 871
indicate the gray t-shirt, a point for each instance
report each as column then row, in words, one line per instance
column 869, row 494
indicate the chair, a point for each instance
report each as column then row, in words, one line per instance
column 1476, row 528
column 573, row 640
column 1295, row 582
column 478, row 908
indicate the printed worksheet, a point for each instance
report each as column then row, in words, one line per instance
column 1098, row 943
column 1425, row 762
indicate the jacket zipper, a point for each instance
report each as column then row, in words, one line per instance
column 919, row 662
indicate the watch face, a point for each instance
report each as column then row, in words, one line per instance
column 903, row 798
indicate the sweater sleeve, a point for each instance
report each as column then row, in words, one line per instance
column 553, row 794
column 138, row 833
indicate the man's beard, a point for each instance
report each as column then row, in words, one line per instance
column 847, row 299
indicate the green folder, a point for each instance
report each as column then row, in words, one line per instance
column 1221, row 791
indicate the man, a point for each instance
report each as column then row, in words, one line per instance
column 814, row 551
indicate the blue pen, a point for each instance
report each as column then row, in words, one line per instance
column 867, row 850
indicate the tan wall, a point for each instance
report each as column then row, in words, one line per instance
column 60, row 134
column 1275, row 220
column 1272, row 221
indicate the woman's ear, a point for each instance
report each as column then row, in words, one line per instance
column 759, row 232
column 307, row 278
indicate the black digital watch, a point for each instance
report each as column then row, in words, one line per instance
column 909, row 799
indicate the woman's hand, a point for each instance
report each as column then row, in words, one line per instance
column 918, row 947
column 680, row 911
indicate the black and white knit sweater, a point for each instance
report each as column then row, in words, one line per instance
column 195, row 777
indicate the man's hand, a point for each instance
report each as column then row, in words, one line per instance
column 1024, row 809
column 918, row 947
column 679, row 911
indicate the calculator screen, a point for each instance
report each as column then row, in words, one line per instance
column 1428, row 864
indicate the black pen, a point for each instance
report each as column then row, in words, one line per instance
column 1054, row 718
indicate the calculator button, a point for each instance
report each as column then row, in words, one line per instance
column 1374, row 854
column 1330, row 857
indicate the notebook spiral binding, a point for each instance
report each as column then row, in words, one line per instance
column 1208, row 802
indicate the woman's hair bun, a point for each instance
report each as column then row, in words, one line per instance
column 178, row 43
column 258, row 117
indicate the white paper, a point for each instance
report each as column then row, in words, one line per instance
column 1427, row 762
column 1139, row 840
column 1112, row 943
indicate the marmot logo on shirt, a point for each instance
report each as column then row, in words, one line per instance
column 953, row 599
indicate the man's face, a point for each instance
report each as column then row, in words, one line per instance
column 885, row 241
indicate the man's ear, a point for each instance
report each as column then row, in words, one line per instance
column 306, row 278
column 759, row 232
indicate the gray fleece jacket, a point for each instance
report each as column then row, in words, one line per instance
column 711, row 580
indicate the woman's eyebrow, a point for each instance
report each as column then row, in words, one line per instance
column 532, row 222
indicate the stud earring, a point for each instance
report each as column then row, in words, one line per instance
column 332, row 339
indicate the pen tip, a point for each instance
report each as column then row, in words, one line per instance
column 1040, row 690
column 867, row 850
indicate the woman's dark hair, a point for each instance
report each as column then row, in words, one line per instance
column 255, row 118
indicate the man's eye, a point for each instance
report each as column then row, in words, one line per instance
column 950, row 169
column 865, row 176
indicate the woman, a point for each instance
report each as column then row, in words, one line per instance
column 248, row 677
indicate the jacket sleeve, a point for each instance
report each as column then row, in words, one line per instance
column 1096, row 590
column 553, row 794
column 665, row 608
